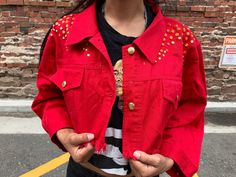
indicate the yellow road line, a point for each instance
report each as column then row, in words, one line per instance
column 47, row 167
column 51, row 165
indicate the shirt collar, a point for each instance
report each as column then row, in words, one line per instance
column 85, row 26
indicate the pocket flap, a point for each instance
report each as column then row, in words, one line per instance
column 67, row 79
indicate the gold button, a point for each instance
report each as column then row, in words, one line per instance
column 63, row 84
column 131, row 106
column 131, row 50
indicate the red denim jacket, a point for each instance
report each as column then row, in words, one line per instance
column 164, row 88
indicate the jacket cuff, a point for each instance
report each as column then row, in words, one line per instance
column 56, row 119
column 183, row 166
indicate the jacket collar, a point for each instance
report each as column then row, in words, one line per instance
column 151, row 40
column 85, row 26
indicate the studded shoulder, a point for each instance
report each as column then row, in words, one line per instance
column 62, row 27
column 176, row 34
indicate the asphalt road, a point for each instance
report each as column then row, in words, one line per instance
column 23, row 151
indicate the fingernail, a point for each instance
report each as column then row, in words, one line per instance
column 137, row 154
column 90, row 136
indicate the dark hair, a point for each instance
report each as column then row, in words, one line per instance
column 80, row 6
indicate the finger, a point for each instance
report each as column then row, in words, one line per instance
column 85, row 153
column 77, row 139
column 145, row 158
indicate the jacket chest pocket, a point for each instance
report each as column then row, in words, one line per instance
column 78, row 83
column 172, row 91
column 69, row 81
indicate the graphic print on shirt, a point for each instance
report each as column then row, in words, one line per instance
column 118, row 72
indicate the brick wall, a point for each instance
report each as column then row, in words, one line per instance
column 23, row 23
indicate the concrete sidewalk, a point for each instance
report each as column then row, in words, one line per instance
column 11, row 105
column 15, row 125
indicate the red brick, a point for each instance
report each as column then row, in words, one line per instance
column 198, row 8
column 18, row 13
column 47, row 3
column 14, row 29
column 63, row 4
column 3, row 64
column 15, row 2
column 182, row 2
column 6, row 14
column 211, row 14
column 3, row 2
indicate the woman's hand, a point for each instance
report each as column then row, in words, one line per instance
column 74, row 144
column 150, row 165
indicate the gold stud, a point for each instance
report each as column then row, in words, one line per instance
column 163, row 44
column 186, row 45
column 179, row 38
column 176, row 34
column 171, row 37
column 63, row 84
column 172, row 42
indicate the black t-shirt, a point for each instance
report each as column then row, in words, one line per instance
column 112, row 160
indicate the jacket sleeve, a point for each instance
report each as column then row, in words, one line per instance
column 49, row 104
column 182, row 138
